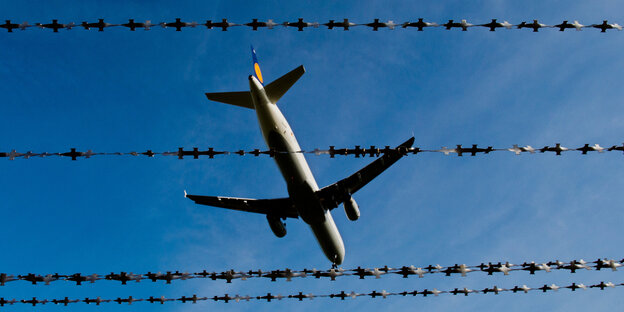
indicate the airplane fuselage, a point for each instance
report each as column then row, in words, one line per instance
column 294, row 168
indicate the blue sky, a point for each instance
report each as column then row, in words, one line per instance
column 119, row 91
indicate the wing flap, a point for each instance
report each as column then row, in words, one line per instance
column 279, row 207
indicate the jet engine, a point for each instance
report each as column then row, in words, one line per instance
column 277, row 226
column 351, row 209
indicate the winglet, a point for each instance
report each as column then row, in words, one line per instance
column 256, row 66
column 184, row 193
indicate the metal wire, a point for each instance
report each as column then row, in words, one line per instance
column 300, row 295
column 357, row 151
column 288, row 274
column 300, row 25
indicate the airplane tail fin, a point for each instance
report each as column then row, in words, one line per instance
column 274, row 90
column 256, row 66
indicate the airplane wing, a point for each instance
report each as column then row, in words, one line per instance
column 333, row 195
column 279, row 207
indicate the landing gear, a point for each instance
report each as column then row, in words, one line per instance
column 334, row 266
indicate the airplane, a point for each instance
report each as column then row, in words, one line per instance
column 535, row 25
column 494, row 24
column 65, row 301
column 162, row 299
column 55, row 26
column 377, row 24
column 34, row 301
column 97, row 300
column 99, row 25
column 133, row 25
column 345, row 24
column 420, row 24
column 224, row 24
column 255, row 24
column 78, row 278
column 178, row 24
column 306, row 200
column 563, row 26
column 519, row 150
column 604, row 26
column 557, row 149
column 463, row 25
column 300, row 24
column 586, row 148
column 10, row 26
column 4, row 278
column 9, row 302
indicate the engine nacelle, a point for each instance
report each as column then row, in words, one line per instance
column 351, row 209
column 277, row 226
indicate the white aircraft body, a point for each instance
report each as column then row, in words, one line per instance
column 306, row 200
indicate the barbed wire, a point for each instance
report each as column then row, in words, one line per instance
column 357, row 151
column 300, row 25
column 288, row 274
column 300, row 295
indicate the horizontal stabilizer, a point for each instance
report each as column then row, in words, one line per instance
column 276, row 89
column 242, row 98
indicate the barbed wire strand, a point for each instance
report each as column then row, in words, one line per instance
column 287, row 274
column 300, row 295
column 300, row 25
column 357, row 151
